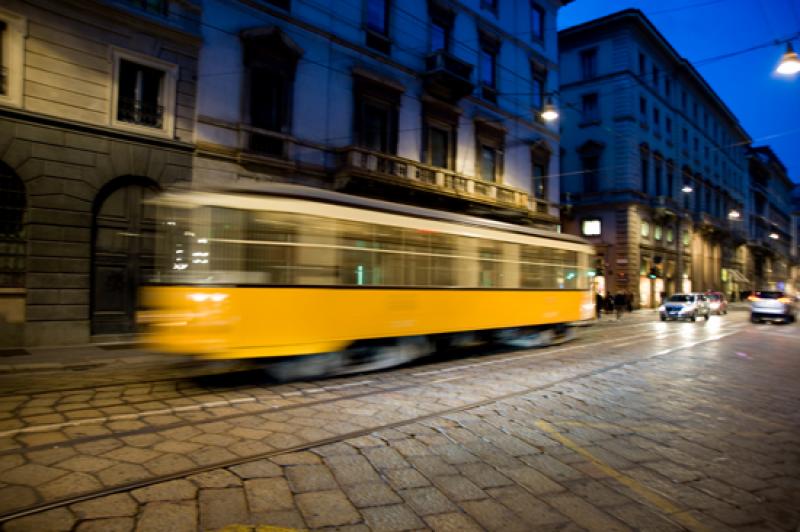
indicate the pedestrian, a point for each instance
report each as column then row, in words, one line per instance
column 628, row 301
column 609, row 304
column 619, row 304
column 598, row 304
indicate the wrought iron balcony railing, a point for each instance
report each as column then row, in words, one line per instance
column 412, row 173
column 140, row 112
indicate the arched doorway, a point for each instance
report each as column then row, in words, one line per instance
column 123, row 239
column 12, row 229
column 13, row 203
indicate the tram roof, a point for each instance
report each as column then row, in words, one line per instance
column 329, row 196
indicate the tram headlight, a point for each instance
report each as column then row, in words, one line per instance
column 201, row 297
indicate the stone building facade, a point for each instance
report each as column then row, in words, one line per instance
column 653, row 167
column 427, row 102
column 769, row 221
column 96, row 113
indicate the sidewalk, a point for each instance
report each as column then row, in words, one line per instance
column 72, row 357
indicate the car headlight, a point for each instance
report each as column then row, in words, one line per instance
column 662, row 308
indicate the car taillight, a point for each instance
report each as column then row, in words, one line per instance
column 752, row 298
column 785, row 300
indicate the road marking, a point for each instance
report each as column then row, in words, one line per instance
column 655, row 498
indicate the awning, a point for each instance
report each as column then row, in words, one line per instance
column 737, row 276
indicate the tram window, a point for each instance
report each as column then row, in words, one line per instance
column 489, row 269
column 417, row 258
column 268, row 254
column 315, row 258
column 360, row 262
column 443, row 272
column 532, row 270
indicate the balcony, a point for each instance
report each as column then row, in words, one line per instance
column 447, row 77
column 710, row 224
column 359, row 162
column 665, row 206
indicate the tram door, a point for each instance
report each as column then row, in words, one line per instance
column 124, row 244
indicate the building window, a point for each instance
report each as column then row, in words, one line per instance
column 591, row 173
column 656, row 117
column 643, row 109
column 670, row 178
column 684, row 101
column 140, row 94
column 539, row 82
column 144, row 93
column 658, row 164
column 589, row 63
column 642, row 65
column 645, row 170
column 12, row 49
column 376, row 109
column 540, row 160
column 696, row 146
column 685, row 137
column 159, row 7
column 537, row 23
column 488, row 163
column 667, row 87
column 591, row 227
column 270, row 59
column 490, row 5
column 645, row 228
column 283, row 4
column 489, row 141
column 589, row 108
column 377, row 23
column 668, row 125
column 441, row 27
column 488, row 68
column 670, row 235
column 657, row 232
column 656, row 76
column 686, row 238
column 590, row 153
column 440, row 36
column 439, row 136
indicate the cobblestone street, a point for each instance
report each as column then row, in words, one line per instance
column 636, row 424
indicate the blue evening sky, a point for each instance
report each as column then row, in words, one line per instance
column 766, row 104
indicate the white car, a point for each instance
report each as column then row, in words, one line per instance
column 771, row 305
column 684, row 307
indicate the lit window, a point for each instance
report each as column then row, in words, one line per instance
column 670, row 235
column 657, row 232
column 591, row 227
column 645, row 229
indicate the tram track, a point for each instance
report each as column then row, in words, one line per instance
column 245, row 368
column 253, row 397
column 65, row 501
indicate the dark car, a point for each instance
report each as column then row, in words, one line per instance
column 771, row 305
column 717, row 303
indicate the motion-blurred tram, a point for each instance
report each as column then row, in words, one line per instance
column 293, row 272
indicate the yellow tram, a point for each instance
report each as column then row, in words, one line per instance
column 291, row 270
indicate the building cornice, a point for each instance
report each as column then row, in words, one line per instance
column 20, row 115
